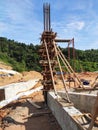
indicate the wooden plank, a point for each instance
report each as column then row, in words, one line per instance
column 38, row 114
column 69, row 66
column 85, row 88
column 34, row 104
column 62, row 40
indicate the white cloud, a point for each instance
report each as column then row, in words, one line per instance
column 3, row 27
column 23, row 20
column 69, row 30
column 77, row 25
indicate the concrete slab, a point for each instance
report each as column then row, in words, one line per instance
column 18, row 96
column 12, row 72
column 13, row 89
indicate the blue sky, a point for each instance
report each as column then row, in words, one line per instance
column 22, row 20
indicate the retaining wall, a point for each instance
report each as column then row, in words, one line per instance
column 64, row 114
column 82, row 101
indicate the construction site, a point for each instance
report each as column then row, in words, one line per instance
column 53, row 99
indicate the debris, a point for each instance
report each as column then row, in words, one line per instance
column 8, row 120
column 38, row 114
column 33, row 103
column 94, row 85
column 9, row 71
column 85, row 82
column 6, row 102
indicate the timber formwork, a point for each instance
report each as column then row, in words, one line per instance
column 48, row 46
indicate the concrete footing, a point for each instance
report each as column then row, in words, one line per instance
column 64, row 113
column 82, row 101
column 11, row 90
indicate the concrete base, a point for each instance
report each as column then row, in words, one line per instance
column 12, row 90
column 82, row 101
column 64, row 114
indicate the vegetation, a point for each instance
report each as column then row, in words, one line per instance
column 19, row 55
column 84, row 60
column 25, row 57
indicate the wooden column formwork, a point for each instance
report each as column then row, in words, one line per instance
column 48, row 62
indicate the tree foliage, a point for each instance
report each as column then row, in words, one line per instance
column 21, row 56
column 86, row 60
column 25, row 57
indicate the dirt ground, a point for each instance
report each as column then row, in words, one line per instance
column 3, row 65
column 25, row 76
column 17, row 115
column 24, row 116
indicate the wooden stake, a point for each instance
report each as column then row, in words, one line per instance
column 67, row 67
column 61, row 72
column 70, row 67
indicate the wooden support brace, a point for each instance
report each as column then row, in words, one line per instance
column 61, row 73
column 69, row 67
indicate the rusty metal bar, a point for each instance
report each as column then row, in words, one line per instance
column 74, row 57
column 68, row 52
column 46, row 11
column 62, row 40
column 49, row 19
column 73, row 49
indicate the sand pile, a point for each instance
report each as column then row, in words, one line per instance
column 5, row 66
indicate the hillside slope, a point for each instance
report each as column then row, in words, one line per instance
column 24, row 57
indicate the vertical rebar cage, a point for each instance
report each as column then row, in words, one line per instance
column 46, row 12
